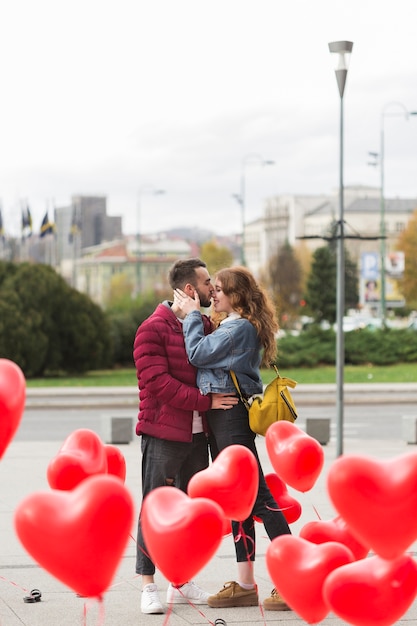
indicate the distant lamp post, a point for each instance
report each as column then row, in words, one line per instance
column 254, row 159
column 406, row 114
column 342, row 51
column 145, row 189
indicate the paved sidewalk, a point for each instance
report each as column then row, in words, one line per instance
column 23, row 471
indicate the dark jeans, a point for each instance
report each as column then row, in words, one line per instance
column 229, row 428
column 167, row 463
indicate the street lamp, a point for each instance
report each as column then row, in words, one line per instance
column 342, row 50
column 149, row 189
column 254, row 159
column 406, row 114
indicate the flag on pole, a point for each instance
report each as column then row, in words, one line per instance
column 47, row 227
column 26, row 222
column 75, row 228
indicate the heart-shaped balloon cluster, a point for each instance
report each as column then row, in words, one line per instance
column 376, row 503
column 299, row 569
column 78, row 536
column 78, row 532
column 82, row 455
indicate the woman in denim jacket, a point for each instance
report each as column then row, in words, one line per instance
column 243, row 340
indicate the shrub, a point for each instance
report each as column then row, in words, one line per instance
column 314, row 347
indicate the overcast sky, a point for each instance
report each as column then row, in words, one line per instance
column 119, row 97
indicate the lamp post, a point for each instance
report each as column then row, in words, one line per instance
column 253, row 158
column 406, row 114
column 150, row 189
column 342, row 49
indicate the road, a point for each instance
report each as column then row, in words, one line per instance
column 371, row 411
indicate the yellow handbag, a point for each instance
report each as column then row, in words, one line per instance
column 275, row 404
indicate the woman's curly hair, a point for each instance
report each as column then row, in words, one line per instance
column 252, row 301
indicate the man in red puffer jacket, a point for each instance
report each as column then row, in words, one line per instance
column 171, row 418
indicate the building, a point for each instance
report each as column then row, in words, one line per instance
column 86, row 217
column 283, row 220
column 82, row 224
column 141, row 265
column 294, row 218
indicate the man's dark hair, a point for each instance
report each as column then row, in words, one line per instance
column 183, row 272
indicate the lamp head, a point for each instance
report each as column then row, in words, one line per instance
column 343, row 50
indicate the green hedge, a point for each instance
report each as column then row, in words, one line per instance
column 315, row 347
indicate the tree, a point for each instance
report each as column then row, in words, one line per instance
column 119, row 295
column 285, row 278
column 351, row 282
column 124, row 323
column 321, row 284
column 216, row 257
column 407, row 243
column 46, row 326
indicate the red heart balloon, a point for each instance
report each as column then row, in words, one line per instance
column 12, row 401
column 81, row 455
column 299, row 568
column 78, row 536
column 231, row 480
column 335, row 529
column 295, row 456
column 227, row 527
column 181, row 533
column 289, row 506
column 116, row 462
column 372, row 591
column 378, row 500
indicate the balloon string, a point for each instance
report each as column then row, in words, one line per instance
column 123, row 581
column 280, row 508
column 242, row 535
column 245, row 538
column 101, row 610
column 169, row 611
column 11, row 582
column 168, row 615
column 261, row 608
column 316, row 512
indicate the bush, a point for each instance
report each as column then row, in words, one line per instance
column 312, row 347
column 315, row 347
column 124, row 322
column 47, row 327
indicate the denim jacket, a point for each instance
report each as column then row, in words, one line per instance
column 234, row 345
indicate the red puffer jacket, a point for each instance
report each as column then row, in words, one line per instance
column 167, row 381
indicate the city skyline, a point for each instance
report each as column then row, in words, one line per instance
column 121, row 99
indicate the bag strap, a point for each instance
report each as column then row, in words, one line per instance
column 236, row 384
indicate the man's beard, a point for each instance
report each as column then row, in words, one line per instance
column 204, row 302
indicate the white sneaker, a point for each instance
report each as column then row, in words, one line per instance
column 150, row 602
column 188, row 592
